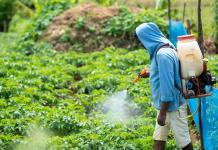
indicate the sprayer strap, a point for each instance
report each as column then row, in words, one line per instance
column 168, row 46
column 163, row 46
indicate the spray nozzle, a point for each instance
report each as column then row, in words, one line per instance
column 143, row 74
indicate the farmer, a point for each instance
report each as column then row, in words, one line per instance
column 164, row 83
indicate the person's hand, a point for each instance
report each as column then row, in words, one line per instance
column 144, row 73
column 161, row 119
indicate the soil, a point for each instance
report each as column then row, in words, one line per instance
column 79, row 29
column 210, row 46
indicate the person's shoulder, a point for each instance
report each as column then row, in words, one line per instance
column 166, row 54
column 166, row 51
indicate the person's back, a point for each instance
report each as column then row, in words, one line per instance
column 164, row 74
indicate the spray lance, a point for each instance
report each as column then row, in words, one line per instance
column 144, row 73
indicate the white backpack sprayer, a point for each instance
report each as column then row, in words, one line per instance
column 197, row 80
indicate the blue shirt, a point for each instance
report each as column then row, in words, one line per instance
column 164, row 68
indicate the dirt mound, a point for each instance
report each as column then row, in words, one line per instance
column 210, row 46
column 80, row 28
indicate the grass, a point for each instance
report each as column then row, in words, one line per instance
column 208, row 12
column 7, row 40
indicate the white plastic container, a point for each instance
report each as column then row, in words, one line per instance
column 190, row 56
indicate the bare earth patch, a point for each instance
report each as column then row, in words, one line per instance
column 210, row 46
column 79, row 28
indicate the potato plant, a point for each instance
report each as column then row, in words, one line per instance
column 63, row 93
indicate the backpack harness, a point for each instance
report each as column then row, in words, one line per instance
column 169, row 46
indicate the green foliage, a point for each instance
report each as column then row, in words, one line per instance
column 126, row 22
column 64, row 92
column 80, row 23
column 19, row 24
column 62, row 95
column 28, row 10
column 43, row 19
column 6, row 12
column 105, row 2
column 213, row 66
column 161, row 4
column 29, row 3
column 38, row 5
column 7, row 40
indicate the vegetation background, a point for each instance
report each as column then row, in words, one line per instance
column 64, row 62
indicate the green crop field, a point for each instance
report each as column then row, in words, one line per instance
column 60, row 96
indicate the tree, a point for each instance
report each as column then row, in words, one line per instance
column 200, row 30
column 6, row 13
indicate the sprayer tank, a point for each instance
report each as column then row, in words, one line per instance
column 190, row 56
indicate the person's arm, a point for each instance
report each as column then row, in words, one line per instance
column 166, row 77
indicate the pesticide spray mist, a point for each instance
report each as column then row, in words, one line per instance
column 37, row 139
column 118, row 109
